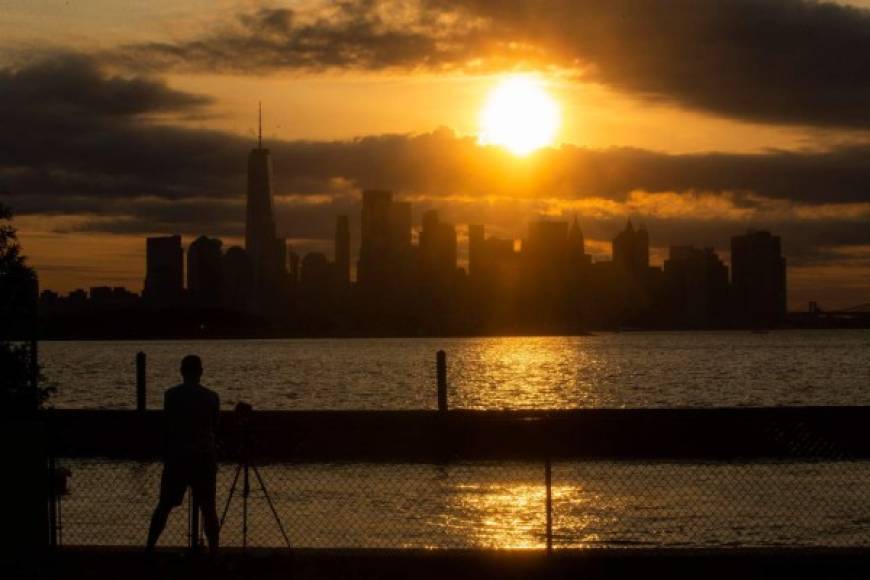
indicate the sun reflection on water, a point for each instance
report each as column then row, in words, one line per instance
column 496, row 514
column 523, row 372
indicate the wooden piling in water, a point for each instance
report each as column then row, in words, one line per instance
column 441, row 368
column 140, row 381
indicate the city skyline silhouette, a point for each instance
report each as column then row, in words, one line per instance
column 545, row 283
column 150, row 138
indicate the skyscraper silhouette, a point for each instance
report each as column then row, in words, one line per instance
column 476, row 249
column 164, row 277
column 437, row 248
column 315, row 274
column 204, row 272
column 265, row 250
column 293, row 266
column 547, row 245
column 238, row 278
column 342, row 251
column 758, row 279
column 385, row 240
column 697, row 287
column 631, row 251
column 400, row 227
column 577, row 245
column 374, row 235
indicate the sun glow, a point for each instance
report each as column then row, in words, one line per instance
column 520, row 116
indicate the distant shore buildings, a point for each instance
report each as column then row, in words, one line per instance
column 758, row 278
column 545, row 283
column 164, row 272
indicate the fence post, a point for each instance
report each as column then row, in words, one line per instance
column 548, row 483
column 34, row 339
column 34, row 364
column 140, row 381
column 441, row 366
column 52, row 502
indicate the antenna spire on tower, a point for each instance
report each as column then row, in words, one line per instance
column 260, row 126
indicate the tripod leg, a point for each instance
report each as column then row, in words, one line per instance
column 271, row 505
column 230, row 496
column 246, row 491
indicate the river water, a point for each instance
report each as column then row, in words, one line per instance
column 488, row 504
column 664, row 369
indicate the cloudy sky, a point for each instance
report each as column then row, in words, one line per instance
column 699, row 118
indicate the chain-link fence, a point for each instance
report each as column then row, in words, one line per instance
column 492, row 504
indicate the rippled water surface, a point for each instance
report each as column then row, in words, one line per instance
column 605, row 370
column 496, row 505
column 492, row 504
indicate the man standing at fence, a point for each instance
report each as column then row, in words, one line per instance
column 191, row 414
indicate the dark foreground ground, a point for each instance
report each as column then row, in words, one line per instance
column 733, row 564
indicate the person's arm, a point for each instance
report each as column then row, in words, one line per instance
column 167, row 422
column 215, row 422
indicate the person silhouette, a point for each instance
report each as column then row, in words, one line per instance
column 191, row 414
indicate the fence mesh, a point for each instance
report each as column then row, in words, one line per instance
column 494, row 504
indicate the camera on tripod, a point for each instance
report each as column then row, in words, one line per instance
column 244, row 413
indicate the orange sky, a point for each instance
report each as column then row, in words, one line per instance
column 81, row 244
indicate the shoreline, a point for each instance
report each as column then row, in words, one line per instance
column 399, row 336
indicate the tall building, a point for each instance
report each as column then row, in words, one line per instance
column 205, row 272
column 758, row 279
column 259, row 223
column 697, row 287
column 544, row 276
column 476, row 250
column 280, row 259
column 546, row 253
column 342, row 250
column 577, row 245
column 315, row 275
column 437, row 247
column 400, row 226
column 631, row 251
column 266, row 251
column 385, row 239
column 547, row 243
column 238, row 280
column 316, row 290
column 293, row 262
column 374, row 236
column 164, row 276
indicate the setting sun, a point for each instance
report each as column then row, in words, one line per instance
column 520, row 116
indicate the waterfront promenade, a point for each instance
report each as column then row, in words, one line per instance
column 599, row 493
column 100, row 564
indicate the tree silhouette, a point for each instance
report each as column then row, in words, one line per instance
column 19, row 392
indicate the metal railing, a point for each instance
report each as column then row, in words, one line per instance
column 497, row 505
column 454, row 479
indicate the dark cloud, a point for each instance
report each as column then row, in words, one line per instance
column 364, row 34
column 771, row 61
column 135, row 174
column 196, row 216
column 71, row 88
column 69, row 128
